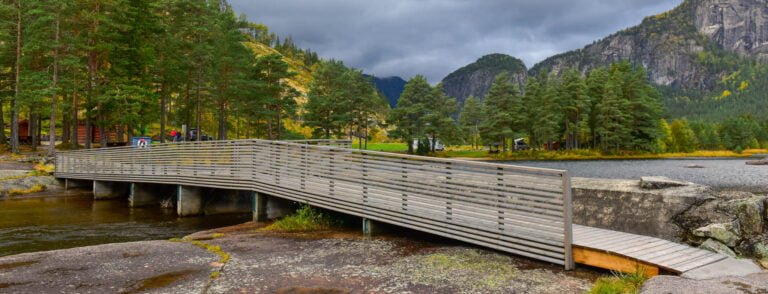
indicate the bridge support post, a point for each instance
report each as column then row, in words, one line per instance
column 371, row 227
column 189, row 200
column 142, row 195
column 109, row 190
column 72, row 183
column 259, row 207
column 222, row 201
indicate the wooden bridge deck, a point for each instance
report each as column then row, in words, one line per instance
column 627, row 252
column 520, row 210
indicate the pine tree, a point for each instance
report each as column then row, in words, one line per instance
column 439, row 122
column 502, row 115
column 575, row 104
column 470, row 119
column 413, row 105
column 326, row 108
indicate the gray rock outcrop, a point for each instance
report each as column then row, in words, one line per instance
column 718, row 247
column 691, row 213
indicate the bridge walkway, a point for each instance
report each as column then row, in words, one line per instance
column 519, row 210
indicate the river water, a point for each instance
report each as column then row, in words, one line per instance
column 71, row 220
column 719, row 173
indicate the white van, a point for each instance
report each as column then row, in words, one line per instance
column 439, row 146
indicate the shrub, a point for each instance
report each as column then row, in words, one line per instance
column 306, row 218
column 620, row 283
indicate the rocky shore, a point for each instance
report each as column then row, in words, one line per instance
column 242, row 260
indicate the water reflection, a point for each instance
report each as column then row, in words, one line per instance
column 74, row 219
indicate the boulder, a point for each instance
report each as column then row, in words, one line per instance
column 718, row 247
column 761, row 250
column 661, row 183
column 749, row 213
column 758, row 162
column 723, row 232
column 622, row 205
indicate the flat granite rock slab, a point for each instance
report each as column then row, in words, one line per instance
column 147, row 266
column 723, row 268
column 754, row 283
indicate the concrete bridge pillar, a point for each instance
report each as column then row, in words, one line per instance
column 219, row 201
column 143, row 194
column 259, row 207
column 189, row 200
column 73, row 183
column 267, row 207
column 372, row 227
column 109, row 190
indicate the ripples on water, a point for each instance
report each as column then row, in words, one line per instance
column 719, row 173
column 73, row 220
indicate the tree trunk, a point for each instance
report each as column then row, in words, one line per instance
column 102, row 128
column 163, row 98
column 73, row 120
column 54, row 97
column 197, row 109
column 222, row 120
column 32, row 123
column 14, row 111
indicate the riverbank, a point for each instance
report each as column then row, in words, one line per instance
column 466, row 152
column 337, row 261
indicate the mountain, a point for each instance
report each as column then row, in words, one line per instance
column 391, row 87
column 698, row 54
column 476, row 78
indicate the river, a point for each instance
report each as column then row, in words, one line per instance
column 719, row 173
column 73, row 219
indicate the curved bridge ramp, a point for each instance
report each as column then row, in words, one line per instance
column 627, row 252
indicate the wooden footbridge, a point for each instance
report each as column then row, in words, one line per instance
column 519, row 210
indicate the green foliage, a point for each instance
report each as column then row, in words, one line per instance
column 306, row 218
column 470, row 119
column 124, row 66
column 343, row 102
column 423, row 112
column 620, row 283
column 503, row 112
column 683, row 137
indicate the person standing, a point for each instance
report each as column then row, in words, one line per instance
column 173, row 135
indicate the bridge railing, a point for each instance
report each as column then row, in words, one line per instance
column 521, row 210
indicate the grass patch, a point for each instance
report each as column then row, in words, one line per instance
column 35, row 189
column 386, row 147
column 620, row 283
column 42, row 169
column 217, row 235
column 460, row 152
column 305, row 218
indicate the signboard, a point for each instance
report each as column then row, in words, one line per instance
column 141, row 142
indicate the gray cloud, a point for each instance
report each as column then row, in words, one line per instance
column 436, row 37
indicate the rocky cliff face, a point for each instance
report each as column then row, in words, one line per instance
column 739, row 26
column 677, row 47
column 475, row 79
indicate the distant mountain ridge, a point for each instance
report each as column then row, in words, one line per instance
column 699, row 54
column 391, row 87
column 475, row 79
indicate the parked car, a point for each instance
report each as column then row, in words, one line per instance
column 439, row 146
column 519, row 144
column 193, row 136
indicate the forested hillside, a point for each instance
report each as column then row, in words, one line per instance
column 104, row 71
column 705, row 55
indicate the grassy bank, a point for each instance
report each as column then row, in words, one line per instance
column 468, row 153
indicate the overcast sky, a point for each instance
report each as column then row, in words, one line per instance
column 436, row 37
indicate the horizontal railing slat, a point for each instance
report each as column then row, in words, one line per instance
column 520, row 210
